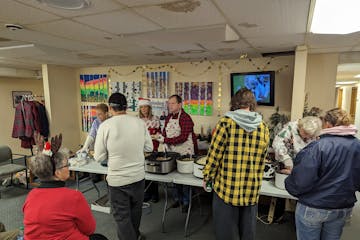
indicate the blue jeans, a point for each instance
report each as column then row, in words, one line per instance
column 316, row 224
column 181, row 194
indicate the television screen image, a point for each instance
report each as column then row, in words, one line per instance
column 260, row 83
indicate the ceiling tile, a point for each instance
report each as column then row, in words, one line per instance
column 22, row 52
column 68, row 59
column 329, row 40
column 97, row 6
column 104, row 52
column 329, row 50
column 180, row 37
column 204, row 15
column 119, row 22
column 177, row 46
column 279, row 41
column 271, row 18
column 131, row 3
column 222, row 46
column 75, row 31
column 46, row 40
column 17, row 13
column 20, row 63
column 137, row 50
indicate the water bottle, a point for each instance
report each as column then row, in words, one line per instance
column 20, row 236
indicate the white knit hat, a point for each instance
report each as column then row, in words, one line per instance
column 144, row 102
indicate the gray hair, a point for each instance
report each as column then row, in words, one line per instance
column 311, row 125
column 42, row 166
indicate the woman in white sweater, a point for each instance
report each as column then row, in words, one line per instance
column 122, row 140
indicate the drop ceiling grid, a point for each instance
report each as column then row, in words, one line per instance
column 330, row 41
column 215, row 45
column 286, row 41
column 204, row 15
column 29, row 64
column 133, row 3
column 74, row 31
column 119, row 22
column 17, row 13
column 97, row 6
column 104, row 52
column 182, row 36
column 46, row 39
column 272, row 17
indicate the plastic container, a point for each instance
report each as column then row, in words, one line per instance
column 199, row 165
column 198, row 170
column 185, row 166
column 280, row 180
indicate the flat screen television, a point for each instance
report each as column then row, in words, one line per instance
column 262, row 84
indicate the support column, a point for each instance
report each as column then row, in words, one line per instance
column 357, row 112
column 298, row 94
column 61, row 88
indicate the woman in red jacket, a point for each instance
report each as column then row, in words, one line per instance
column 53, row 211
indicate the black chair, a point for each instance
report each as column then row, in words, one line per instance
column 7, row 166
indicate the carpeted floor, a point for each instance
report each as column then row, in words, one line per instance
column 200, row 224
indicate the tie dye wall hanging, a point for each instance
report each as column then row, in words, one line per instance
column 157, row 84
column 131, row 90
column 197, row 97
column 88, row 115
column 93, row 88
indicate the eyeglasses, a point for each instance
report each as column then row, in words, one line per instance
column 67, row 165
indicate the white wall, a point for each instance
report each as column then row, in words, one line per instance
column 346, row 98
column 321, row 80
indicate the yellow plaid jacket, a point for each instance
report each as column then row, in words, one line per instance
column 235, row 162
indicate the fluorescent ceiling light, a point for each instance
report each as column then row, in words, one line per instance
column 336, row 17
column 17, row 46
column 357, row 76
column 346, row 83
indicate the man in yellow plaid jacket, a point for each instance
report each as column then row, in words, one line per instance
column 235, row 165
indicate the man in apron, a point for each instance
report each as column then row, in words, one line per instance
column 179, row 136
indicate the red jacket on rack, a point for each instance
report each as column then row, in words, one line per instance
column 27, row 121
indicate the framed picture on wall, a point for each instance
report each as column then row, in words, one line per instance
column 17, row 96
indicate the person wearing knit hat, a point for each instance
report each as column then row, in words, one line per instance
column 153, row 125
column 152, row 122
column 144, row 102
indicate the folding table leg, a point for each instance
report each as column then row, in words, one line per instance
column 165, row 207
column 188, row 213
column 96, row 188
column 272, row 209
column 77, row 180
